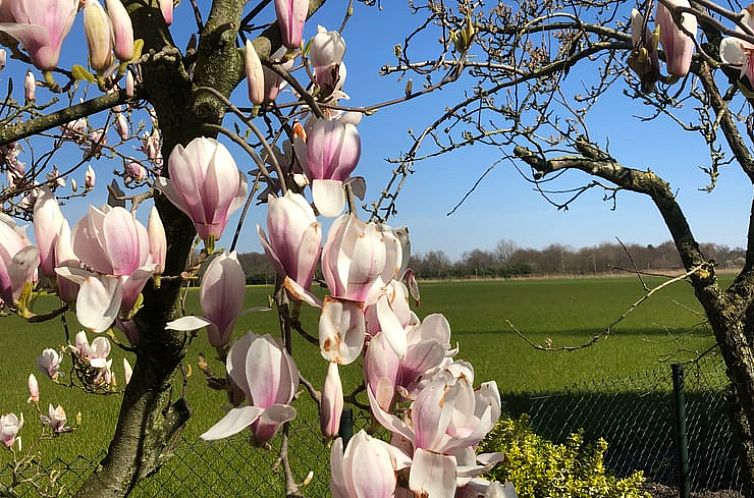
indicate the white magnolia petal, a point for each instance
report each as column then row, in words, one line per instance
column 188, row 323
column 329, row 197
column 341, row 330
column 732, row 51
column 433, row 474
column 297, row 292
column 391, row 327
column 98, row 302
column 233, row 422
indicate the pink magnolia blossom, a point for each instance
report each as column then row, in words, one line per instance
column 333, row 148
column 294, row 239
column 135, row 172
column 65, row 257
column 95, row 355
column 268, row 377
column 48, row 220
column 41, row 26
column 254, row 74
column 49, row 363
column 327, row 50
column 204, row 183
column 157, row 240
column 331, row 406
column 367, row 468
column 353, row 258
column 740, row 53
column 3, row 58
column 221, row 296
column 33, row 387
column 55, row 419
column 116, row 248
column 98, row 36
column 677, row 45
column 291, row 15
column 10, row 424
column 123, row 31
column 121, row 125
column 18, row 261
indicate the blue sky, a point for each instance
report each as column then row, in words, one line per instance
column 504, row 206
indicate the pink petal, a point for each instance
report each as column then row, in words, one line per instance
column 433, row 474
column 236, row 420
column 341, row 330
column 329, row 197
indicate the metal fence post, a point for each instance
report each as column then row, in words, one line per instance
column 346, row 426
column 681, row 431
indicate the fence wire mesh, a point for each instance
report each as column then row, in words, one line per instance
column 634, row 415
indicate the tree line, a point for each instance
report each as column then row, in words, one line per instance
column 507, row 259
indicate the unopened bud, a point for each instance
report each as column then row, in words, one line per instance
column 130, row 85
column 123, row 30
column 3, row 57
column 30, row 87
column 98, row 38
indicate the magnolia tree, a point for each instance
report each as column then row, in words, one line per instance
column 123, row 278
column 538, row 75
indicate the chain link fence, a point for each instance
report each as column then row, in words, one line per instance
column 634, row 415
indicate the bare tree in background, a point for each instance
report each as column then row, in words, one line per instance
column 535, row 71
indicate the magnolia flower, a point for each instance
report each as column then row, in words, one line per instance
column 49, row 363
column 268, row 377
column 116, row 247
column 18, row 262
column 33, row 387
column 221, row 296
column 294, row 239
column 254, row 74
column 135, row 171
column 367, row 469
column 3, row 58
column 353, row 258
column 98, row 36
column 55, row 419
column 677, row 45
column 326, row 54
column 41, row 26
column 48, row 220
column 10, row 424
column 95, row 354
column 65, row 257
column 130, row 84
column 331, row 406
column 90, row 177
column 205, row 184
column 123, row 30
column 740, row 53
column 291, row 15
column 333, row 149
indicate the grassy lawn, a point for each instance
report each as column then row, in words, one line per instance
column 567, row 311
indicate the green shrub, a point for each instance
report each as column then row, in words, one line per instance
column 539, row 468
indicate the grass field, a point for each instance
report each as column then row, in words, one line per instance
column 567, row 311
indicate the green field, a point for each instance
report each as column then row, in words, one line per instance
column 568, row 311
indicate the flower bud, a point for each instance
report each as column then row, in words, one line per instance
column 123, row 30
column 3, row 58
column 130, row 85
column 254, row 74
column 90, row 178
column 98, row 37
column 30, row 87
column 291, row 16
column 166, row 7
column 33, row 389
